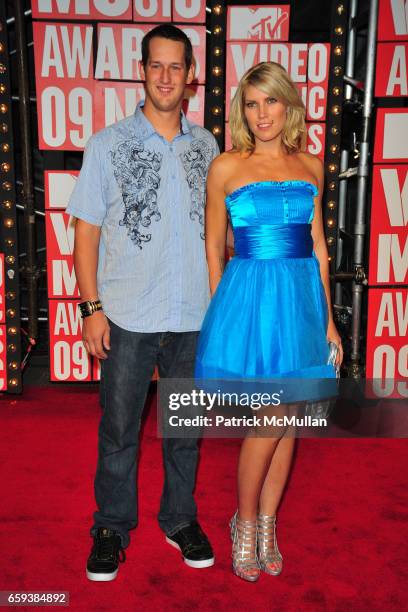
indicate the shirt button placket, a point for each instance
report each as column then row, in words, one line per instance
column 175, row 287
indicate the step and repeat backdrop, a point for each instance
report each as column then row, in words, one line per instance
column 387, row 347
column 87, row 77
column 250, row 30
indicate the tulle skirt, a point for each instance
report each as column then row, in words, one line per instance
column 267, row 319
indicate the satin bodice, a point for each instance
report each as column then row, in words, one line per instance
column 271, row 219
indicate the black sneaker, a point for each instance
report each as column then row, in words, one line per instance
column 194, row 545
column 105, row 556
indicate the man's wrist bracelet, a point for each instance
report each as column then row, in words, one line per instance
column 88, row 308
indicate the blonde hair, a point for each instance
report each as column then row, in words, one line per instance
column 273, row 80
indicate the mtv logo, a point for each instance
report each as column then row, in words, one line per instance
column 261, row 23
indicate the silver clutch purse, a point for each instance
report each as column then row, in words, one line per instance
column 333, row 350
column 322, row 409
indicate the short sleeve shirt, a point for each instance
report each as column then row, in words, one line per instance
column 148, row 197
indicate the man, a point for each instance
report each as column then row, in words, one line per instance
column 140, row 264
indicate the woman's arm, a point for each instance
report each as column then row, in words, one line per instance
column 320, row 249
column 215, row 223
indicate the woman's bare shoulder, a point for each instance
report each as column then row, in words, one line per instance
column 313, row 163
column 225, row 164
column 228, row 158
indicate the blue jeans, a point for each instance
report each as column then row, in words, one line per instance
column 125, row 380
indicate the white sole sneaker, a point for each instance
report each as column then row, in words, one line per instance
column 101, row 577
column 196, row 564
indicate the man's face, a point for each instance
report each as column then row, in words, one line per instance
column 166, row 74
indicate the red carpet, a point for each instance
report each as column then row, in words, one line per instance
column 342, row 525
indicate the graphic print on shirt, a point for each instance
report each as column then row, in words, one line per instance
column 136, row 171
column 196, row 160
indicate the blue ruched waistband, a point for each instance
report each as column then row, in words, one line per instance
column 273, row 241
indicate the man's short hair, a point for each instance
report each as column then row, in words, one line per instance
column 171, row 33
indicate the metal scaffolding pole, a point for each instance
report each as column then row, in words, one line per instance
column 344, row 157
column 30, row 270
column 362, row 184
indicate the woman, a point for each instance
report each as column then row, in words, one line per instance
column 270, row 315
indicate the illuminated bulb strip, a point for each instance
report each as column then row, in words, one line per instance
column 7, row 204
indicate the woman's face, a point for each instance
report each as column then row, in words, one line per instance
column 265, row 115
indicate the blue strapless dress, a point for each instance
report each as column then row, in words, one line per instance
column 268, row 317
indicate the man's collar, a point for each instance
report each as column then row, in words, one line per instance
column 146, row 129
column 143, row 125
column 184, row 124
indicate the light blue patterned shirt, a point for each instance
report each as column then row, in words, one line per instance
column 148, row 196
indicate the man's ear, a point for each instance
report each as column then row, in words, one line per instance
column 191, row 72
column 142, row 71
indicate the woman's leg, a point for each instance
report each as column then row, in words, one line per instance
column 263, row 470
column 253, row 467
column 276, row 477
column 256, row 466
column 256, row 457
column 254, row 461
column 270, row 558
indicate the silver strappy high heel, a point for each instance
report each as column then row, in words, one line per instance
column 270, row 559
column 244, row 549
